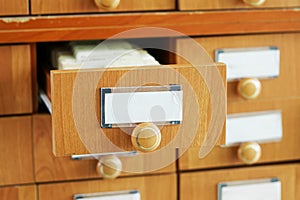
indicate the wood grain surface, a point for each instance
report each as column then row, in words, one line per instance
column 87, row 27
column 84, row 6
column 206, row 183
column 16, row 150
column 234, row 4
column 26, row 192
column 288, row 82
column 150, row 187
column 14, row 7
column 285, row 150
column 72, row 129
column 15, row 80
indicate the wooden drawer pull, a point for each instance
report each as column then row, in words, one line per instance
column 249, row 152
column 249, row 88
column 254, row 2
column 109, row 167
column 146, row 137
column 107, row 4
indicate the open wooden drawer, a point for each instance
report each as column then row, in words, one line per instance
column 77, row 120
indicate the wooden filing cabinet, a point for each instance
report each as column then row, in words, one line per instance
column 14, row 7
column 235, row 4
column 90, row 6
column 50, row 168
column 26, row 192
column 16, row 150
column 150, row 187
column 205, row 184
column 28, row 159
column 16, row 80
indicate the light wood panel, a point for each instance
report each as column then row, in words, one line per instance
column 298, row 182
column 150, row 187
column 88, row 27
column 233, row 4
column 16, row 150
column 68, row 141
column 14, row 7
column 286, row 149
column 83, row 6
column 50, row 168
column 205, row 184
column 288, row 82
column 15, row 80
column 27, row 192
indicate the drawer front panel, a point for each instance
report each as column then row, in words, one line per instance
column 233, row 4
column 286, row 149
column 151, row 187
column 16, row 150
column 85, row 6
column 206, row 183
column 14, row 7
column 15, row 80
column 19, row 192
column 66, row 134
column 285, row 85
column 51, row 168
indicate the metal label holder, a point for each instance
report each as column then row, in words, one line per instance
column 172, row 91
column 120, row 195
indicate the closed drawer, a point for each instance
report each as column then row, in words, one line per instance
column 206, row 183
column 88, row 6
column 15, row 80
column 16, row 150
column 68, row 96
column 14, row 7
column 235, row 4
column 50, row 168
column 151, row 187
column 27, row 192
column 287, row 148
column 285, row 85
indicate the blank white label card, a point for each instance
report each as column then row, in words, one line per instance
column 266, row 189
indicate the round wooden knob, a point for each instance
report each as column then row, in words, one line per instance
column 146, row 137
column 254, row 2
column 249, row 152
column 249, row 88
column 109, row 167
column 107, row 4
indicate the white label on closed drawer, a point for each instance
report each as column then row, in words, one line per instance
column 119, row 195
column 249, row 190
column 263, row 62
column 258, row 126
column 136, row 107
